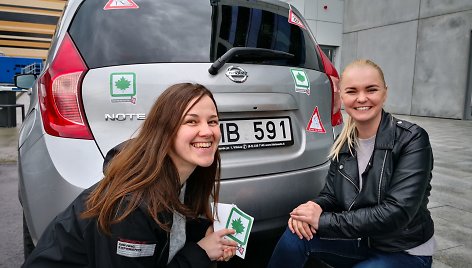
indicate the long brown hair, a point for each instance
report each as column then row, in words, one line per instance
column 349, row 132
column 143, row 174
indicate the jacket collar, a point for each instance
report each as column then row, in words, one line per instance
column 385, row 136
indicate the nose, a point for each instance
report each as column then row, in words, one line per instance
column 205, row 130
column 361, row 97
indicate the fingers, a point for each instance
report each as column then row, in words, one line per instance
column 224, row 232
column 215, row 244
column 306, row 231
column 304, row 219
column 228, row 253
column 290, row 225
column 229, row 246
column 313, row 230
column 301, row 228
column 229, row 243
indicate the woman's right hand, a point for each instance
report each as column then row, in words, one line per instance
column 301, row 229
column 217, row 246
column 304, row 220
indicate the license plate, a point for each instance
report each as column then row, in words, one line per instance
column 255, row 133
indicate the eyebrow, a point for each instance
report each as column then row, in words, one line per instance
column 369, row 86
column 196, row 115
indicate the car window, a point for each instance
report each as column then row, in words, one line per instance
column 252, row 27
column 186, row 31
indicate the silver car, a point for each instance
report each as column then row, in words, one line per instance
column 109, row 61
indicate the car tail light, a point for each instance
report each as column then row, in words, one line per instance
column 336, row 115
column 60, row 96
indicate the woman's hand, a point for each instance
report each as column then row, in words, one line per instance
column 216, row 246
column 304, row 220
column 301, row 229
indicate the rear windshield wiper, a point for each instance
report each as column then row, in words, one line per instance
column 248, row 54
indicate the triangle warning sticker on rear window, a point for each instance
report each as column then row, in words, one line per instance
column 120, row 4
column 294, row 19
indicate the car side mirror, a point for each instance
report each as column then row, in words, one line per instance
column 25, row 81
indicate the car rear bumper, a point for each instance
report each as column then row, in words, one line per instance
column 270, row 198
column 46, row 187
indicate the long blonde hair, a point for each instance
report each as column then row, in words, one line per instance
column 349, row 132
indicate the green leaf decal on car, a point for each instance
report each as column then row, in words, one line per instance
column 123, row 83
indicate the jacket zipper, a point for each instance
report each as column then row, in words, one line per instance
column 381, row 177
column 344, row 239
column 347, row 178
column 357, row 188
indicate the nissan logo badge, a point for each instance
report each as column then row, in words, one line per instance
column 236, row 74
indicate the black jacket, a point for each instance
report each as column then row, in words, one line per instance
column 391, row 209
column 70, row 241
column 137, row 241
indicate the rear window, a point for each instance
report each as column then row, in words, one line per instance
column 186, row 31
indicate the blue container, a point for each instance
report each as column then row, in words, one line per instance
column 10, row 66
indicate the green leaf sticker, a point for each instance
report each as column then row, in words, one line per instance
column 301, row 80
column 238, row 226
column 123, row 86
column 300, row 77
column 122, row 83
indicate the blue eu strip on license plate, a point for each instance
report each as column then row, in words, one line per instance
column 255, row 133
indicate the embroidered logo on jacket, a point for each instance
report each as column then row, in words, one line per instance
column 133, row 249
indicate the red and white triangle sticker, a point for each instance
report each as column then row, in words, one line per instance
column 120, row 4
column 293, row 19
column 315, row 124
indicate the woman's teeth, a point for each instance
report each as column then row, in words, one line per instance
column 202, row 144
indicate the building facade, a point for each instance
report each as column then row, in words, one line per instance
column 423, row 46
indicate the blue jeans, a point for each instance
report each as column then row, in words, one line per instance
column 291, row 251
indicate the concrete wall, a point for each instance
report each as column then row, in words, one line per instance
column 325, row 20
column 422, row 46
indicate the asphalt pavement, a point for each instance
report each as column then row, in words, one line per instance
column 450, row 201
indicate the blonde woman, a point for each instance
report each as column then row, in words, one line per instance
column 152, row 208
column 372, row 211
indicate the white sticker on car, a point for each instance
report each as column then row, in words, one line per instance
column 300, row 78
column 123, row 87
column 120, row 4
column 293, row 19
column 315, row 124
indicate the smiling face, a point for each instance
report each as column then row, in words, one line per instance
column 363, row 93
column 197, row 138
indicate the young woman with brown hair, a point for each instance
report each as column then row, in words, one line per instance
column 152, row 208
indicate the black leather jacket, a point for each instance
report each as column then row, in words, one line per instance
column 391, row 209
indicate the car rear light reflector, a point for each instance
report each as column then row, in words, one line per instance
column 336, row 115
column 60, row 96
column 66, row 97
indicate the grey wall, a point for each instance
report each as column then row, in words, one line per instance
column 422, row 46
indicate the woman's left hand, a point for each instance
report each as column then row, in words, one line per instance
column 308, row 212
column 217, row 246
column 228, row 253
